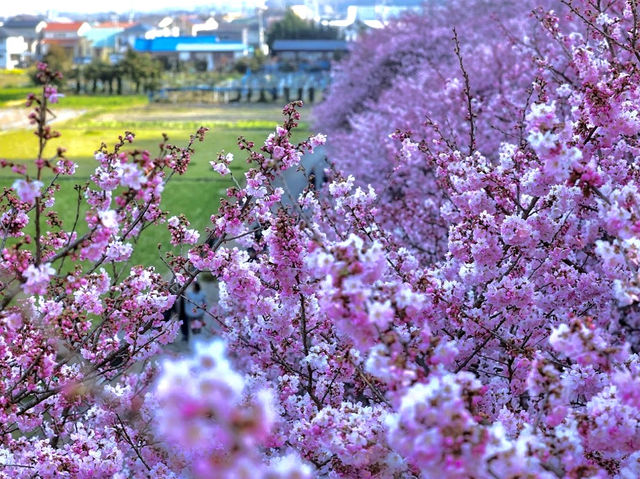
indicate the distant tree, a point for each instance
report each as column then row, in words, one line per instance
column 99, row 71
column 253, row 63
column 77, row 74
column 294, row 27
column 95, row 72
column 118, row 73
column 107, row 76
column 143, row 70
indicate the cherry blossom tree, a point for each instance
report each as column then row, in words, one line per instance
column 471, row 313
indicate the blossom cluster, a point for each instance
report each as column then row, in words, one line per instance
column 460, row 300
column 214, row 423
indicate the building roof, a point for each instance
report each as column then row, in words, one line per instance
column 103, row 37
column 249, row 21
column 23, row 21
column 309, row 45
column 137, row 28
column 63, row 26
column 187, row 44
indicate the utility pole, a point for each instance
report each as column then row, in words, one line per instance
column 261, row 43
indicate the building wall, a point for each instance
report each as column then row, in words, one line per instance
column 3, row 53
column 80, row 51
column 60, row 34
column 12, row 52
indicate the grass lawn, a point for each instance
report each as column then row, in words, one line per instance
column 196, row 194
column 15, row 95
column 14, row 78
column 101, row 101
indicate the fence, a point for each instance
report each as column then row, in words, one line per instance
column 263, row 88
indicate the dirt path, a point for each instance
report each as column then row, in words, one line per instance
column 16, row 118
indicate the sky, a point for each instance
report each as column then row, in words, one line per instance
column 9, row 8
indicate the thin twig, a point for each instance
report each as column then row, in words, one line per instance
column 467, row 93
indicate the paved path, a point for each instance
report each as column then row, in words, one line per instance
column 16, row 118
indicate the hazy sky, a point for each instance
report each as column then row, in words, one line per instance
column 8, row 7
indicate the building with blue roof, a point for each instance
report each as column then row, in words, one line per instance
column 209, row 49
column 103, row 41
column 110, row 40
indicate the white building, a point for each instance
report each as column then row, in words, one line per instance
column 30, row 28
column 13, row 49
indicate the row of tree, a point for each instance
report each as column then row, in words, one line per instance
column 142, row 72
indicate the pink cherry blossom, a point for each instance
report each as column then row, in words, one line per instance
column 28, row 191
column 37, row 278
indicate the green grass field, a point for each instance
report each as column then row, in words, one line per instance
column 15, row 97
column 196, row 194
column 14, row 78
column 96, row 102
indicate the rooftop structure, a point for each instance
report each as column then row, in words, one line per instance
column 71, row 28
column 208, row 50
column 309, row 46
column 188, row 44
